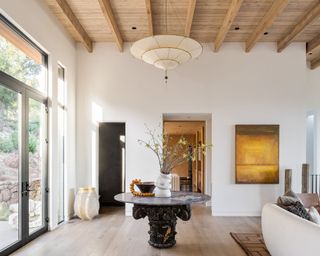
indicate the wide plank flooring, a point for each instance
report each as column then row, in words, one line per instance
column 113, row 234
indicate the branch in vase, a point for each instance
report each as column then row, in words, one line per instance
column 157, row 153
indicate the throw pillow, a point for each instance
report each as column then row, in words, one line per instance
column 314, row 214
column 298, row 209
column 286, row 200
column 292, row 194
column 317, row 208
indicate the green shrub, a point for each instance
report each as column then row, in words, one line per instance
column 34, row 126
column 6, row 145
column 32, row 143
column 10, row 143
column 14, row 139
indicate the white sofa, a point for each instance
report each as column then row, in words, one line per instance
column 286, row 234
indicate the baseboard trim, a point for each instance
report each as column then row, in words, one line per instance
column 128, row 209
column 69, row 217
column 236, row 214
column 128, row 213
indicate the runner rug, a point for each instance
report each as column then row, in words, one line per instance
column 251, row 243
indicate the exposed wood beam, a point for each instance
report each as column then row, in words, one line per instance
column 315, row 63
column 149, row 14
column 304, row 21
column 108, row 14
column 267, row 21
column 68, row 13
column 313, row 44
column 227, row 22
column 191, row 8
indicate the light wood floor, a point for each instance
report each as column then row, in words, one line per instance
column 113, row 234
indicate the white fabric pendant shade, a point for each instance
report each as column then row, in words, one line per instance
column 166, row 51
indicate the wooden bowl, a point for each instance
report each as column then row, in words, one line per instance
column 146, row 187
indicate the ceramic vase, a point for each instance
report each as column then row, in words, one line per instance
column 163, row 185
column 86, row 204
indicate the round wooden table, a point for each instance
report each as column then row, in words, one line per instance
column 162, row 213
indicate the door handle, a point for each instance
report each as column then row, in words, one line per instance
column 23, row 191
column 28, row 188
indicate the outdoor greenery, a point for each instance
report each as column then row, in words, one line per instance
column 15, row 63
column 9, row 143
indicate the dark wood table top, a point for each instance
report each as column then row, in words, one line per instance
column 177, row 198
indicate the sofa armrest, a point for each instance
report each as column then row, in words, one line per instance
column 287, row 234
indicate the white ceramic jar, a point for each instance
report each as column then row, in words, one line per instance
column 163, row 185
column 86, row 204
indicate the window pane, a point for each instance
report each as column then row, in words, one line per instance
column 36, row 128
column 60, row 171
column 61, row 142
column 21, row 60
column 61, row 86
column 9, row 166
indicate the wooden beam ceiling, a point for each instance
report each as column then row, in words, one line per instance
column 191, row 8
column 227, row 22
column 108, row 14
column 149, row 14
column 314, row 44
column 267, row 21
column 299, row 27
column 284, row 20
column 70, row 16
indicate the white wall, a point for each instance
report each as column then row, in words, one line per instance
column 36, row 20
column 260, row 87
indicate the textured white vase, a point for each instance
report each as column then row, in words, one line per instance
column 163, row 185
column 86, row 204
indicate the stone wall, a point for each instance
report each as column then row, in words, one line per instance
column 9, row 192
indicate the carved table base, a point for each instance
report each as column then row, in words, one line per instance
column 162, row 221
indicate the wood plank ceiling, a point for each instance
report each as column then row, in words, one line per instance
column 207, row 21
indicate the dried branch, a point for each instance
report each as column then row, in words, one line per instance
column 170, row 155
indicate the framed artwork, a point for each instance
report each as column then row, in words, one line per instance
column 257, row 154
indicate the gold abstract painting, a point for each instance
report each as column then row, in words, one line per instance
column 257, row 154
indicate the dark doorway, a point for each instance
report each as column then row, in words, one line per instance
column 111, row 162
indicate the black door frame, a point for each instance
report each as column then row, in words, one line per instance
column 26, row 92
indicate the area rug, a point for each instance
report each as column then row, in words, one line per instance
column 251, row 243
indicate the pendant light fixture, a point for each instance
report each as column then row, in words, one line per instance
column 166, row 51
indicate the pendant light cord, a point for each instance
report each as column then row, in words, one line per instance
column 166, row 21
column 166, row 76
column 166, row 13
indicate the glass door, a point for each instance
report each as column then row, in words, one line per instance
column 23, row 126
column 10, row 167
column 23, row 164
column 36, row 178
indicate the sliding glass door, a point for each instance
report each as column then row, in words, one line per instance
column 23, row 163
